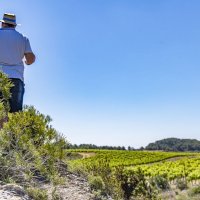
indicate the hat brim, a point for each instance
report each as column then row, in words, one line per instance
column 7, row 22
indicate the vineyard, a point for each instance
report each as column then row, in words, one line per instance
column 188, row 168
column 124, row 173
column 127, row 158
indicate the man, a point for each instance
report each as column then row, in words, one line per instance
column 14, row 47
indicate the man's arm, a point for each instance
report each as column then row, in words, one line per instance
column 30, row 58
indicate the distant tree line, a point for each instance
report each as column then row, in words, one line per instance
column 175, row 144
column 169, row 144
column 106, row 147
column 92, row 146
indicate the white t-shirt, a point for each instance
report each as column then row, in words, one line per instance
column 13, row 46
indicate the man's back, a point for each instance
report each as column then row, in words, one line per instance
column 13, row 47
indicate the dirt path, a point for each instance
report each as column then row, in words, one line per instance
column 87, row 154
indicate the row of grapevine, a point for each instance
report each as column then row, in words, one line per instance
column 188, row 168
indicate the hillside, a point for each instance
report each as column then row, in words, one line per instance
column 175, row 144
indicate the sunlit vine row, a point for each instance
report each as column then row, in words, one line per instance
column 188, row 168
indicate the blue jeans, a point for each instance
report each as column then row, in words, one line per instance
column 17, row 92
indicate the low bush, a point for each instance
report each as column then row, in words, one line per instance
column 160, row 182
column 30, row 148
column 96, row 183
column 29, row 145
column 194, row 191
column 181, row 184
column 37, row 194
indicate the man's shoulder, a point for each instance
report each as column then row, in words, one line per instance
column 13, row 33
column 9, row 30
column 21, row 35
column 17, row 32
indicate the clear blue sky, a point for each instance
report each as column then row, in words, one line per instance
column 114, row 72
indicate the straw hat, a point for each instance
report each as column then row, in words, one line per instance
column 9, row 18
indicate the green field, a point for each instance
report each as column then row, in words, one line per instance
column 172, row 164
column 124, row 173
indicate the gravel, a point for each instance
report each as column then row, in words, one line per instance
column 12, row 192
column 75, row 188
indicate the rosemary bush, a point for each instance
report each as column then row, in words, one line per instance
column 30, row 148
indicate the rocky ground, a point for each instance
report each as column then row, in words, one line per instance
column 75, row 188
column 12, row 192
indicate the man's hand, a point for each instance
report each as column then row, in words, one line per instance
column 30, row 58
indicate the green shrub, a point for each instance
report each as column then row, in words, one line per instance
column 37, row 194
column 55, row 195
column 160, row 182
column 127, row 179
column 96, row 183
column 181, row 184
column 195, row 191
column 144, row 189
column 134, row 185
column 29, row 146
